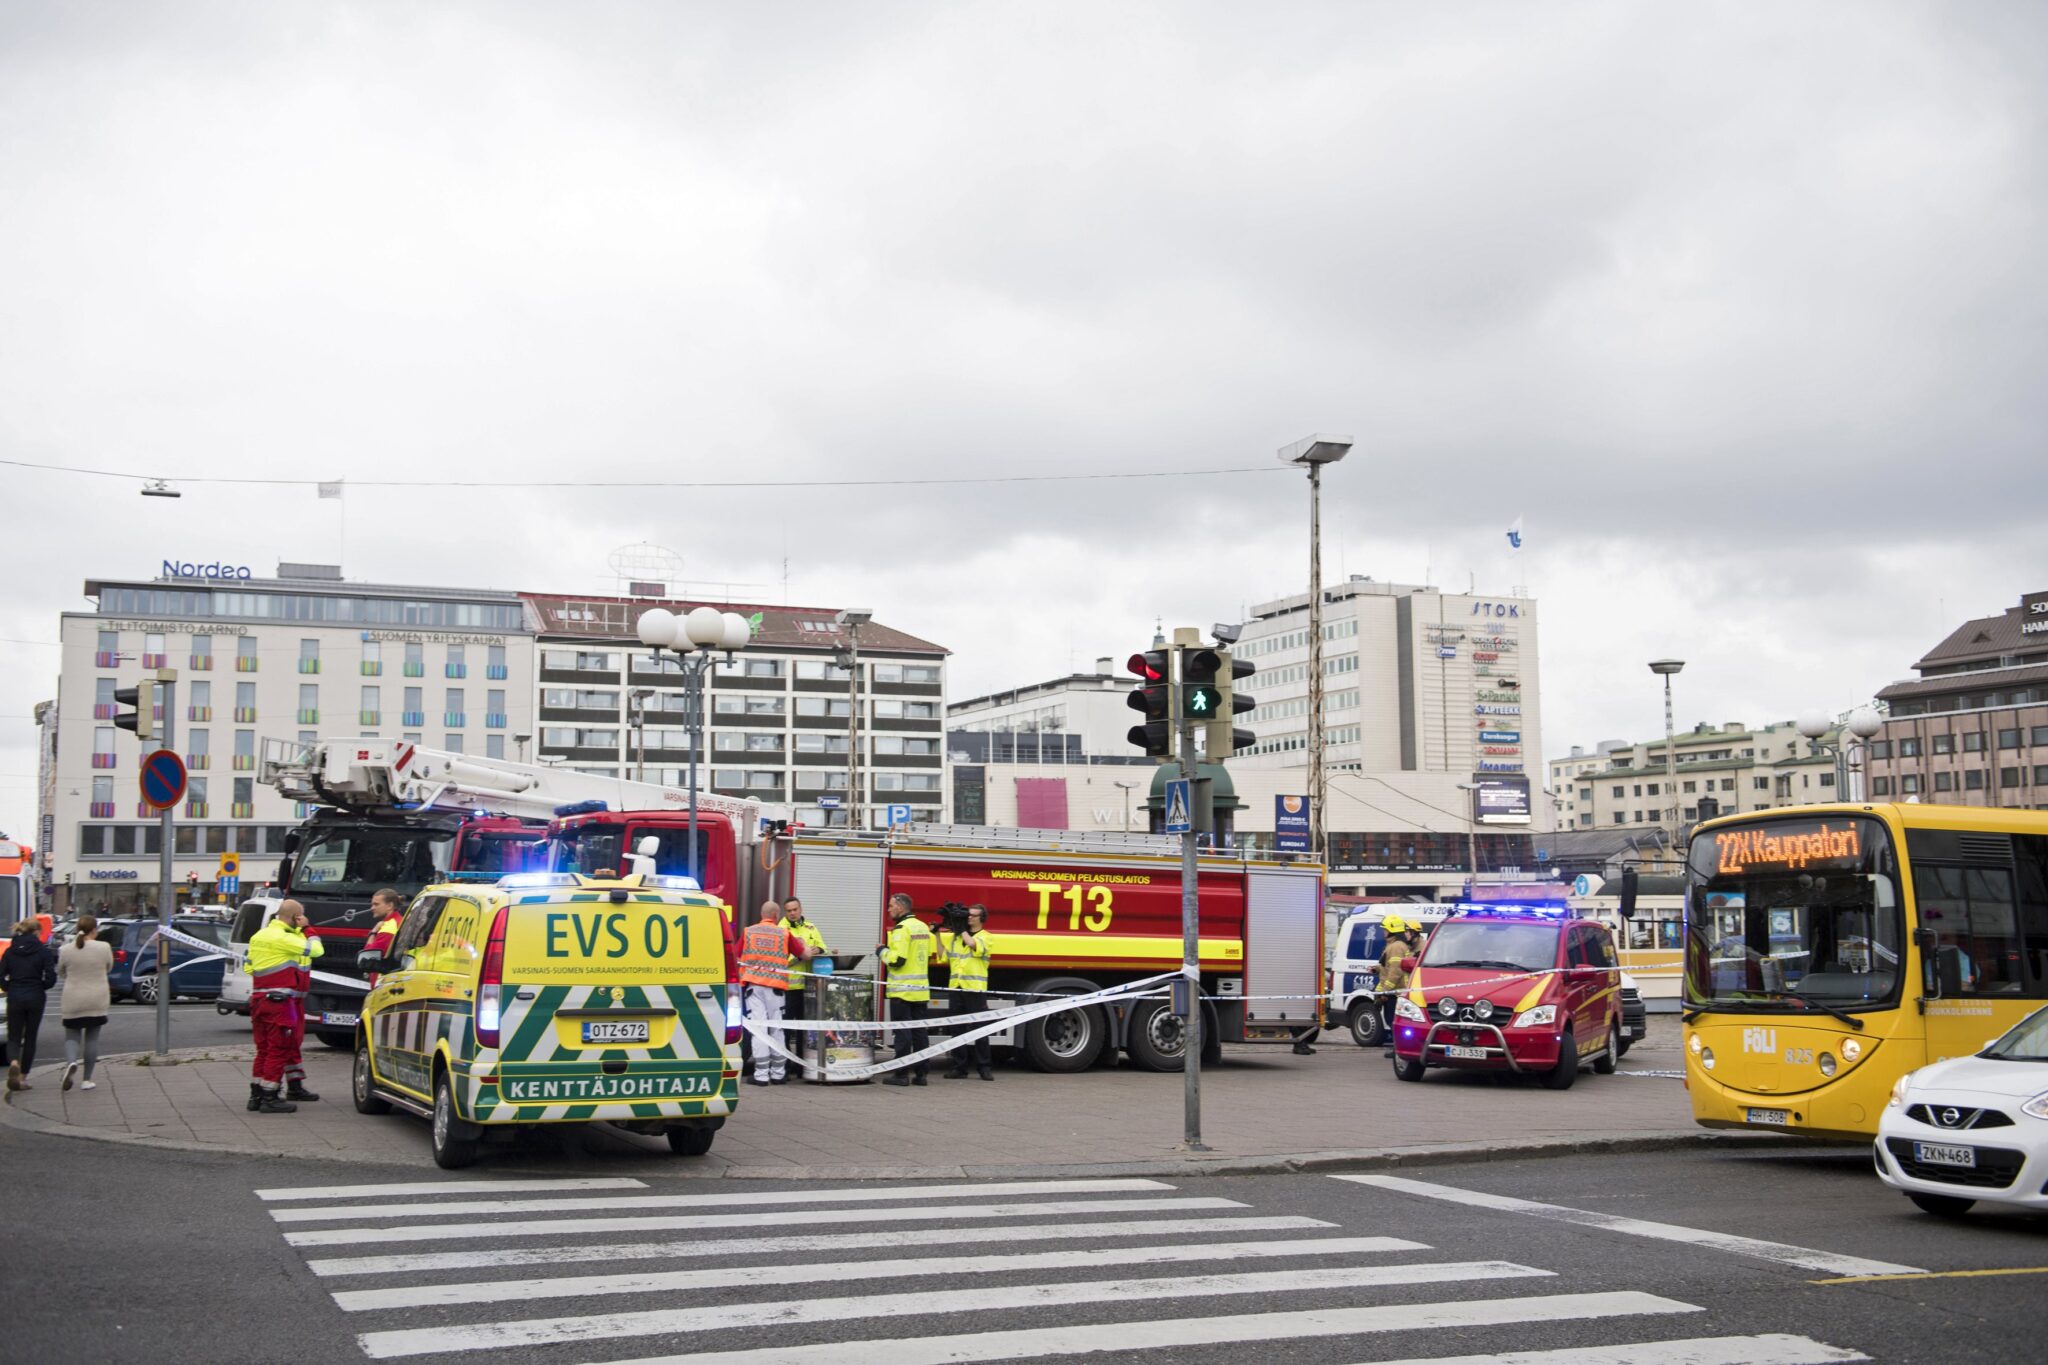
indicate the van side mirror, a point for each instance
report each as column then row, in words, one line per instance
column 1628, row 893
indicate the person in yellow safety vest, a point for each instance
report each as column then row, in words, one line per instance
column 1401, row 940
column 967, row 958
column 908, row 956
column 800, row 974
column 387, row 909
column 766, row 950
column 280, row 973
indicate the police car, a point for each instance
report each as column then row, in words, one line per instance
column 554, row 998
column 1355, row 965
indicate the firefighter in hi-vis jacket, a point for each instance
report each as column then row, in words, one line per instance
column 280, row 972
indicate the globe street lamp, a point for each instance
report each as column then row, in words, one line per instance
column 1312, row 453
column 693, row 635
column 1664, row 668
column 1863, row 722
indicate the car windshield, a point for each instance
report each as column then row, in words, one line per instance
column 2026, row 1042
column 1478, row 943
column 357, row 862
column 1792, row 914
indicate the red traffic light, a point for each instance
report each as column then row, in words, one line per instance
column 1151, row 667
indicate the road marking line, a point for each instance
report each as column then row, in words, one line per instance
column 609, row 1252
column 1770, row 1348
column 445, row 1187
column 783, row 1312
column 1168, row 1333
column 1803, row 1257
column 1937, row 1275
column 705, row 1201
column 550, row 1227
column 938, row 1267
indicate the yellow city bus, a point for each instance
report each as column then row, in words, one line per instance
column 1832, row 949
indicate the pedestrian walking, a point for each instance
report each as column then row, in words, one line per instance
column 766, row 951
column 27, row 972
column 967, row 960
column 793, row 1005
column 280, row 974
column 82, row 965
column 908, row 956
column 1393, row 976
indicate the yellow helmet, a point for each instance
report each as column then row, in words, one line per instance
column 1394, row 924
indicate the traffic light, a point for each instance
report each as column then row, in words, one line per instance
column 1225, row 738
column 1201, row 693
column 1153, row 696
column 142, row 720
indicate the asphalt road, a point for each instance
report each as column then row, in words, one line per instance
column 119, row 1255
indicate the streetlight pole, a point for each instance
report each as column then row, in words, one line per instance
column 1312, row 453
column 1471, row 832
column 693, row 636
column 1126, row 788
column 1665, row 668
column 638, row 696
column 853, row 618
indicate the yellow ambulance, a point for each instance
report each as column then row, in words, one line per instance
column 554, row 998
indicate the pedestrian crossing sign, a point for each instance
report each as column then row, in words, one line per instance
column 1179, row 803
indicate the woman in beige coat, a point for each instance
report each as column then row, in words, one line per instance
column 83, row 966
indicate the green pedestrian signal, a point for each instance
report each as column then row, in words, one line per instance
column 1200, row 696
column 1202, row 701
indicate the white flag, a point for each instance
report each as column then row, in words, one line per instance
column 1515, row 535
column 330, row 490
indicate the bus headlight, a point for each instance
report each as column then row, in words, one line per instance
column 1852, row 1048
column 1537, row 1017
column 1404, row 1008
column 1827, row 1063
column 2037, row 1107
column 1707, row 1058
column 1695, row 1044
column 1898, row 1094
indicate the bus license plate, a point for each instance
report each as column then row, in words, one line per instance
column 1777, row 1116
column 1470, row 1054
column 614, row 1030
column 1934, row 1154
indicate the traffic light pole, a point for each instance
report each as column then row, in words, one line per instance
column 167, row 899
column 1190, row 949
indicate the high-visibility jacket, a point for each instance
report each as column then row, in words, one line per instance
column 813, row 941
column 967, row 957
column 281, row 959
column 764, row 956
column 909, row 958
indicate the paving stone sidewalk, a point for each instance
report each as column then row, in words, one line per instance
column 1258, row 1105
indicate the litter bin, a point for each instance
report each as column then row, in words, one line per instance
column 832, row 998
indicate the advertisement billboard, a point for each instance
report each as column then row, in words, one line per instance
column 1290, row 824
column 1500, row 800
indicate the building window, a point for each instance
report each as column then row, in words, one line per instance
column 1762, row 784
column 103, row 746
column 202, row 651
column 309, row 656
column 2008, row 777
column 1973, row 779
column 373, row 659
column 494, row 665
column 198, row 749
column 458, row 662
column 153, row 655
column 415, row 708
column 2009, row 739
column 102, row 807
column 817, row 670
column 309, row 703
column 455, row 708
column 1909, row 748
column 812, row 742
column 245, row 654
column 1727, row 784
column 1620, row 791
column 1944, row 782
column 1880, row 786
column 2041, row 774
column 575, row 737
column 494, row 746
column 244, row 805
column 453, row 743
column 415, row 659
column 107, row 650
column 1944, row 744
column 245, row 751
column 2039, row 735
column 1973, row 742
column 575, row 699
column 494, row 708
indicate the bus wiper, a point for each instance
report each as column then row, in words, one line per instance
column 1851, row 1020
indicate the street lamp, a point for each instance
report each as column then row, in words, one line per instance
column 853, row 618
column 1863, row 723
column 1312, row 453
column 693, row 636
column 1126, row 788
column 1664, row 668
column 637, row 718
column 1471, row 834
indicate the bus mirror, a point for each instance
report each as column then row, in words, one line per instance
column 1948, row 966
column 1628, row 893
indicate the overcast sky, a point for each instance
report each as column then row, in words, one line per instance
column 1739, row 307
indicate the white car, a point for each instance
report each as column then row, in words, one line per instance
column 1972, row 1128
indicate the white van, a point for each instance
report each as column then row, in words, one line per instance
column 1355, row 965
column 234, row 979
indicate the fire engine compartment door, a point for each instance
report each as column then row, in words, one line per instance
column 1283, row 945
column 841, row 889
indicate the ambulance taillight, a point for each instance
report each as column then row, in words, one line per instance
column 733, row 1027
column 491, row 985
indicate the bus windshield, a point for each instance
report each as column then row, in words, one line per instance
column 1793, row 914
column 358, row 862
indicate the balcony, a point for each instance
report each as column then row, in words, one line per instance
column 309, row 665
column 412, row 718
column 456, row 670
column 369, row 717
column 103, row 760
column 106, row 658
column 100, row 810
column 309, row 715
column 242, row 810
column 245, row 663
column 494, row 720
column 245, row 763
column 500, row 672
column 200, row 663
column 199, row 713
column 195, row 810
column 245, row 713
column 156, row 661
column 455, row 720
column 198, row 763
column 103, row 710
column 413, row 670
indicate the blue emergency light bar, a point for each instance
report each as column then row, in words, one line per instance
column 668, row 883
column 530, row 879
column 581, row 808
column 1549, row 910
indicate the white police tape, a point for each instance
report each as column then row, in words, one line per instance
column 213, row 951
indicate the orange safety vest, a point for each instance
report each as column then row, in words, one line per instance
column 764, row 956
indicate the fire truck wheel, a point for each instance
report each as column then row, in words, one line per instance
column 1366, row 1025
column 1066, row 1042
column 1158, row 1040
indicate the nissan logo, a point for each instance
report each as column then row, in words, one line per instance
column 1950, row 1117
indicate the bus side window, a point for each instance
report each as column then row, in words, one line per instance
column 2032, row 850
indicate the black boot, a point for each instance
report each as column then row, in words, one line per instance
column 986, row 1074
column 255, row 1097
column 297, row 1091
column 895, row 1078
column 958, row 1073
column 918, row 1079
column 270, row 1104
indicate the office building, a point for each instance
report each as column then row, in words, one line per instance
column 1732, row 768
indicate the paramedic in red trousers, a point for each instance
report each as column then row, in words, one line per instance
column 766, row 950
column 280, row 972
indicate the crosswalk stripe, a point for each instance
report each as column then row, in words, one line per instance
column 783, row 1311
column 550, row 1227
column 1164, row 1334
column 444, row 1187
column 1785, row 1254
column 610, row 1252
column 698, row 1201
column 938, row 1267
column 1769, row 1348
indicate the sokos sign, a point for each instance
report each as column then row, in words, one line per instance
column 176, row 568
